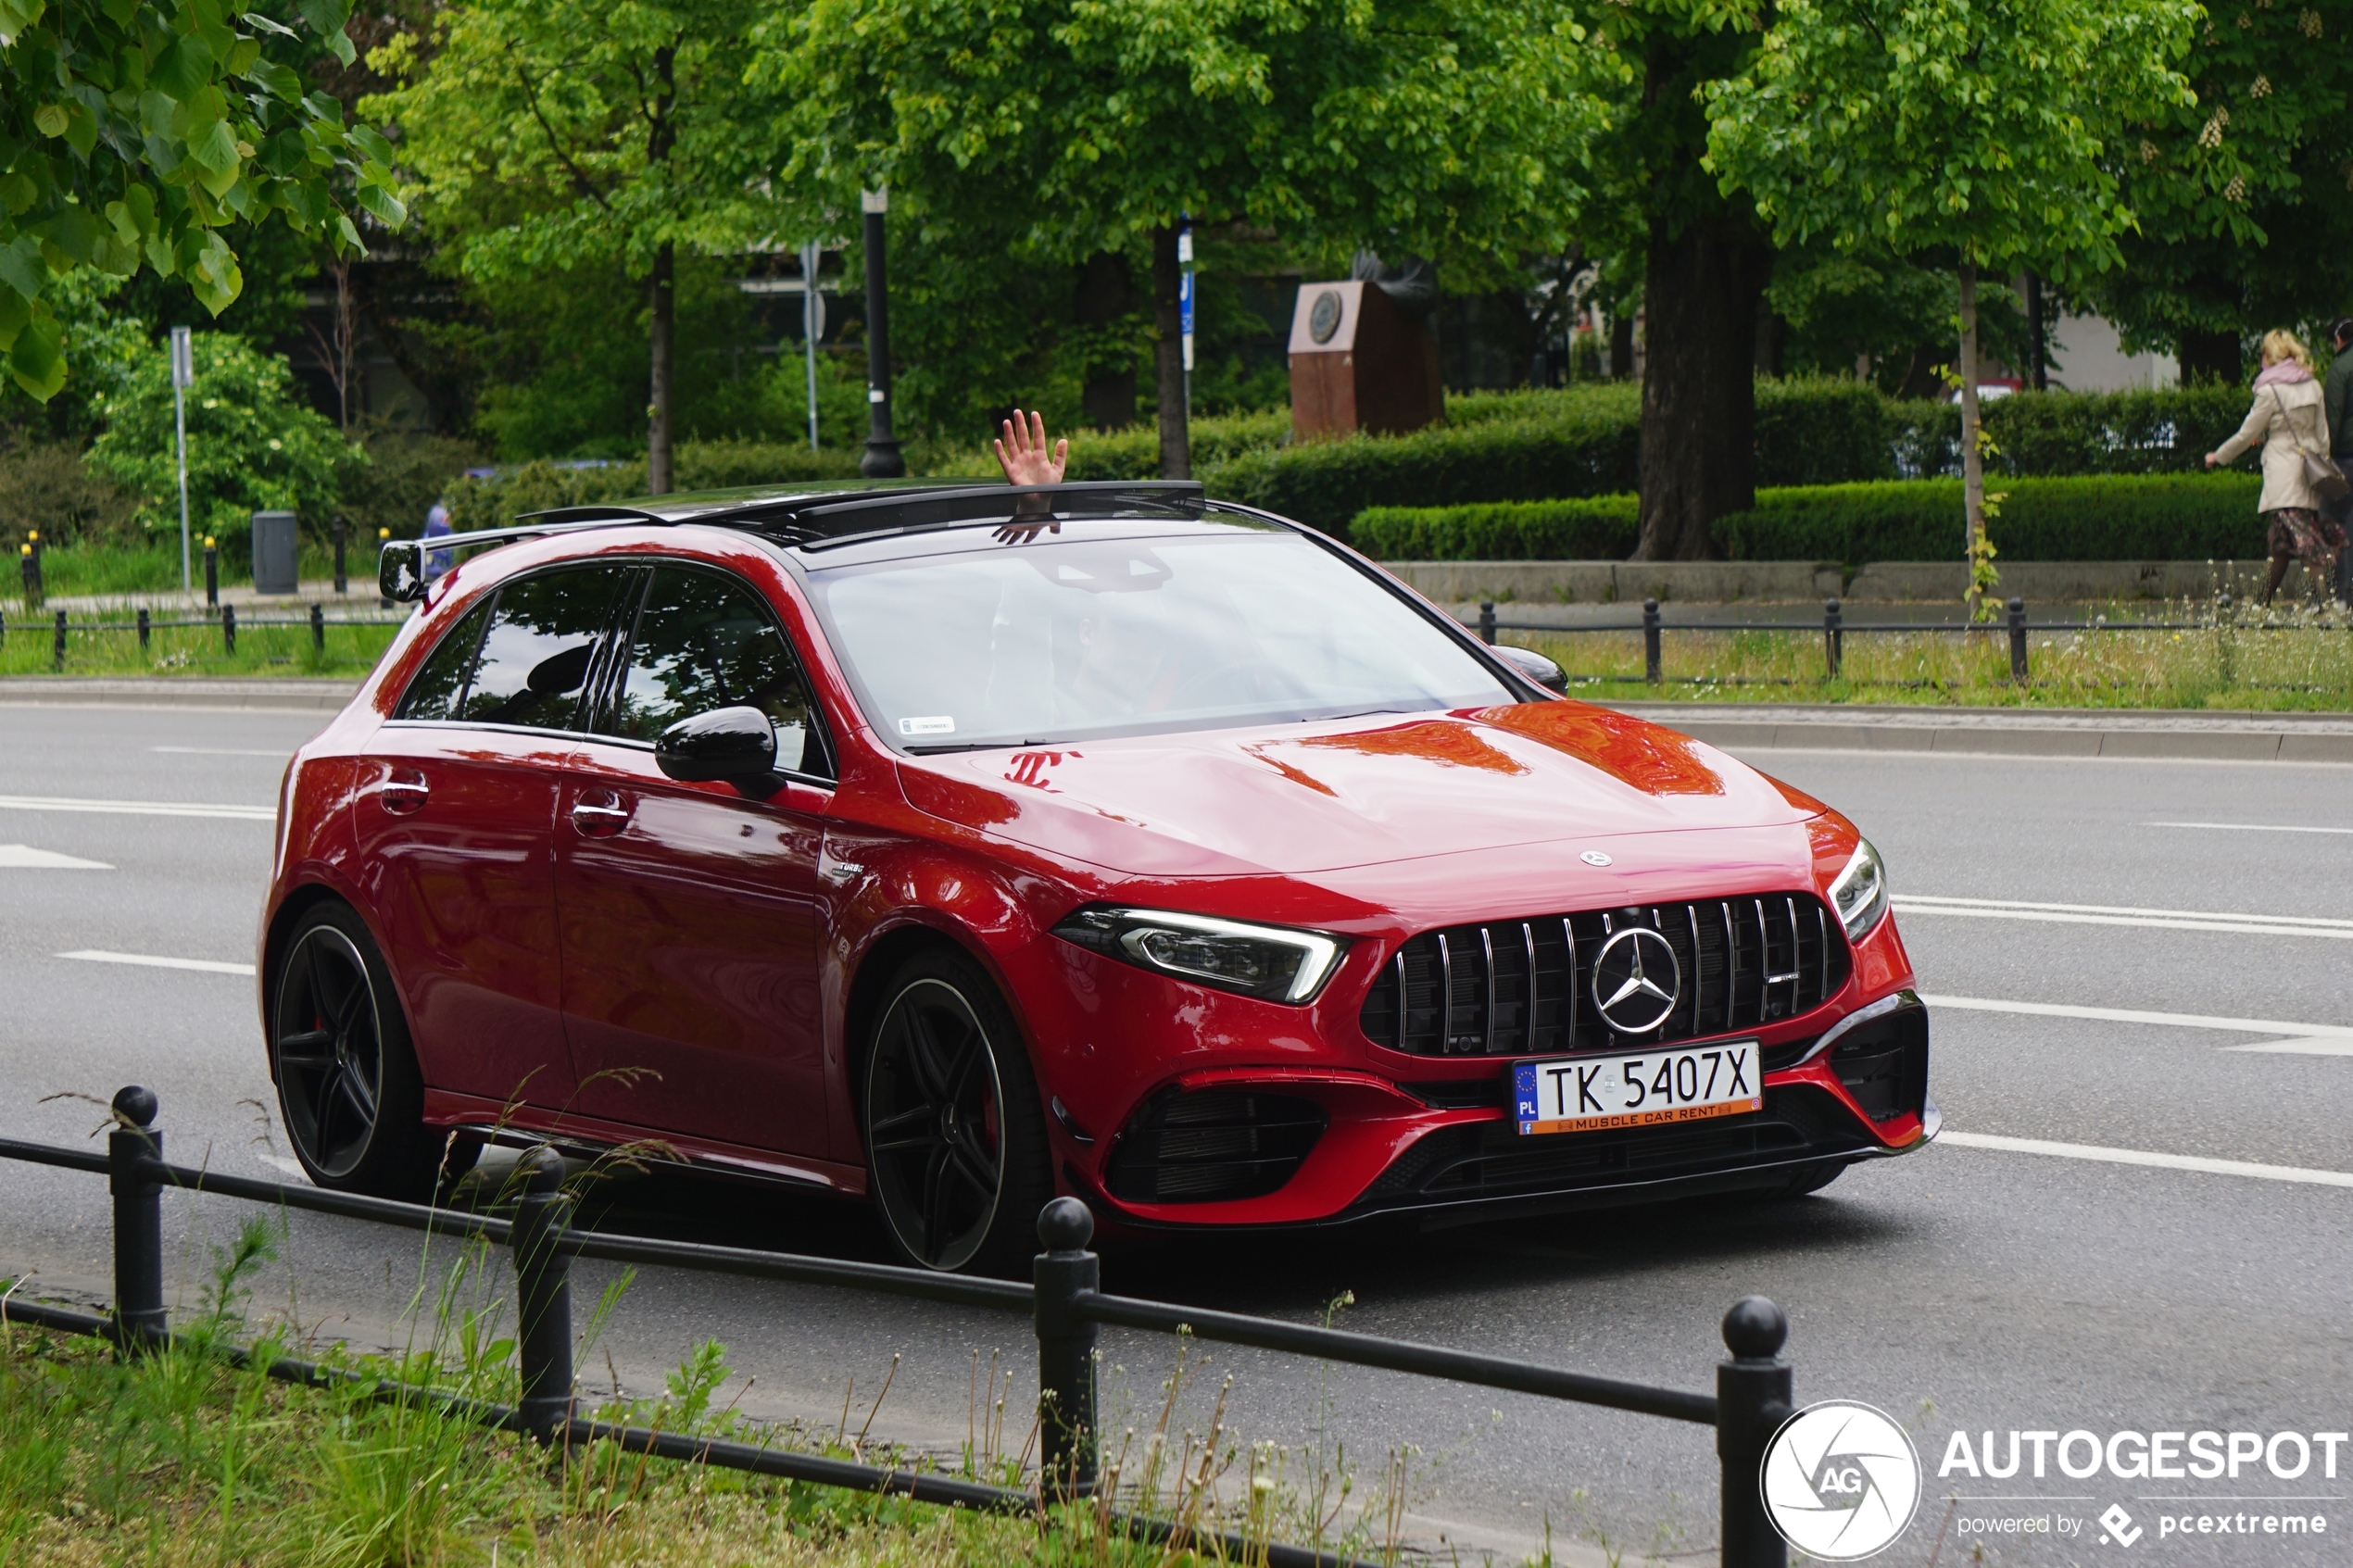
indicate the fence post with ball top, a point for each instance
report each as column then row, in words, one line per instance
column 1755, row 1393
column 135, row 1157
column 1064, row 1272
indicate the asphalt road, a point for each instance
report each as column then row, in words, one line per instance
column 1974, row 1287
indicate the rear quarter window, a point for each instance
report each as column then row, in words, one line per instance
column 432, row 693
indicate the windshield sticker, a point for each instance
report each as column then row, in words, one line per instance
column 938, row 726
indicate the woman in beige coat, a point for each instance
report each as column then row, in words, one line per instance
column 2290, row 418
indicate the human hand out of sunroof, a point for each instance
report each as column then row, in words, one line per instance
column 1023, row 454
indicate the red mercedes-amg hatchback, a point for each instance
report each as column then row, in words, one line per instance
column 934, row 846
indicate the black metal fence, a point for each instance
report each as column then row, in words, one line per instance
column 1066, row 1303
column 227, row 623
column 1835, row 629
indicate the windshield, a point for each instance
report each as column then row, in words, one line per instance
column 1063, row 640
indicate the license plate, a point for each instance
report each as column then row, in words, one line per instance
column 1594, row 1093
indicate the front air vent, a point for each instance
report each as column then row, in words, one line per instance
column 1885, row 1064
column 1522, row 987
column 1213, row 1146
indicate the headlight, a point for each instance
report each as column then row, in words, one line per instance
column 1269, row 961
column 1859, row 892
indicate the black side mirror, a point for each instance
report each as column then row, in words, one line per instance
column 733, row 745
column 1533, row 665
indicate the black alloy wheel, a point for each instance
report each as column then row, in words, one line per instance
column 348, row 1082
column 954, row 1138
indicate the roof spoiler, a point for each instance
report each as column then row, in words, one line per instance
column 400, row 567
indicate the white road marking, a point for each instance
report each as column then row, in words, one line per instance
column 2132, row 1015
column 137, row 808
column 2298, row 1047
column 203, row 966
column 226, row 751
column 2244, row 827
column 283, row 1163
column 25, row 858
column 2143, row 1157
column 2106, row 914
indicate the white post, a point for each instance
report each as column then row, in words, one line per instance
column 1185, row 306
column 183, row 376
column 812, row 325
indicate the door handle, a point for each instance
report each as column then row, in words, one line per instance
column 403, row 792
column 599, row 814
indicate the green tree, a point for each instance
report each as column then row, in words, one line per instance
column 2246, row 223
column 554, row 137
column 1068, row 131
column 1981, row 129
column 1703, row 262
column 134, row 132
column 254, row 443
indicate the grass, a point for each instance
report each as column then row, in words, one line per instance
column 112, row 647
column 153, row 568
column 185, row 1457
column 2297, row 663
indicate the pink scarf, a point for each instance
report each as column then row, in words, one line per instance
column 2287, row 373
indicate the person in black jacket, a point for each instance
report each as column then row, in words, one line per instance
column 2340, row 416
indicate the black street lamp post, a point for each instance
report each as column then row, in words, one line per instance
column 882, row 459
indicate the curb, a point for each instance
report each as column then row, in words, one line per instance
column 281, row 695
column 2146, row 736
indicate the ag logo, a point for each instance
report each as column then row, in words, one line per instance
column 1841, row 1481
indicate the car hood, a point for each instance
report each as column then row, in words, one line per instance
column 1299, row 798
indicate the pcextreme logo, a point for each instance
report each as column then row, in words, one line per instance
column 1840, row 1480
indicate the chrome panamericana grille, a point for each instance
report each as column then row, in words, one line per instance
column 1520, row 987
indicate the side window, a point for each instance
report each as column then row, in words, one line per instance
column 534, row 669
column 704, row 643
column 435, row 690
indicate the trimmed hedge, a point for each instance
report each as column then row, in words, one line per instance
column 697, row 465
column 2102, row 517
column 1591, row 528
column 1500, row 446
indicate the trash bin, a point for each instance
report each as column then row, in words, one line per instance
column 276, row 549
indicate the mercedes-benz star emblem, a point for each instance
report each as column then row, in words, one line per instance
column 1636, row 980
column 1595, row 858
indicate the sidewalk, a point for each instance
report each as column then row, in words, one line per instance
column 2002, row 732
column 360, row 603
column 282, row 692
column 2010, row 731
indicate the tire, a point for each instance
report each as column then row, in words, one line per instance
column 1812, row 1178
column 950, row 1116
column 349, row 1091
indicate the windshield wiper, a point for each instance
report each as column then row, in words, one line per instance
column 975, row 746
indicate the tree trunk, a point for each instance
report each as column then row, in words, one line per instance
column 1106, row 293
column 2039, row 370
column 1972, row 461
column 2209, row 359
column 664, row 302
column 1621, row 346
column 1699, row 388
column 1175, row 437
column 662, row 135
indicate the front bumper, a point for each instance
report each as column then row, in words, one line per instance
column 1855, row 1091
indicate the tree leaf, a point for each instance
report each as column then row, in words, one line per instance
column 75, row 230
column 183, row 68
column 213, row 147
column 16, row 15
column 21, row 267
column 36, row 360
column 278, row 81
